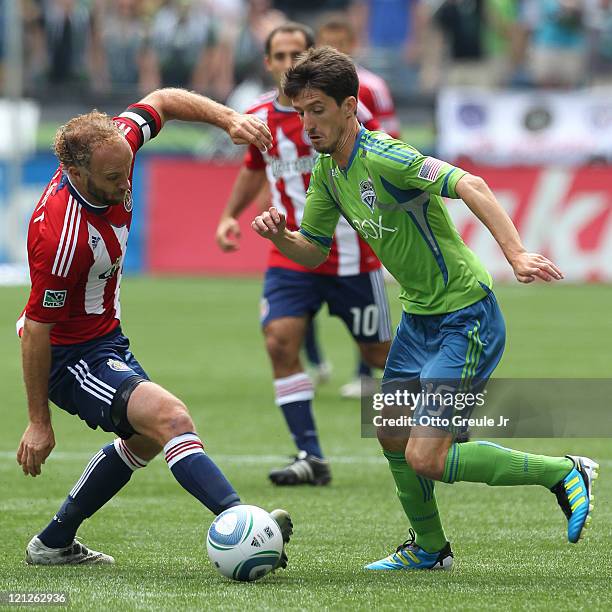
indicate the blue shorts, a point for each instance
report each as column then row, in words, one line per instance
column 94, row 380
column 359, row 300
column 455, row 352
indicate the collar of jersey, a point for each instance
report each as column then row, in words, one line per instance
column 281, row 108
column 354, row 151
column 98, row 210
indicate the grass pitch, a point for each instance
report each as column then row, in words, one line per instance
column 200, row 339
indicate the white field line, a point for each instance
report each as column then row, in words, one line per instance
column 239, row 459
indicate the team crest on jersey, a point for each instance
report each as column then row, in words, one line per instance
column 128, row 204
column 306, row 139
column 118, row 366
column 54, row 299
column 368, row 195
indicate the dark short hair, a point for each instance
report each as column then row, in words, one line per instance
column 289, row 28
column 323, row 68
column 336, row 23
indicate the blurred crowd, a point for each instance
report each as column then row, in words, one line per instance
column 215, row 46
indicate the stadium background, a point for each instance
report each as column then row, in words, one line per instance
column 517, row 91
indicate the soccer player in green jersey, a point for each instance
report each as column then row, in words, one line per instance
column 451, row 327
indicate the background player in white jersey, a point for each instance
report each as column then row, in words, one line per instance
column 350, row 282
column 74, row 352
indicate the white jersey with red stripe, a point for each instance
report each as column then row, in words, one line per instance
column 76, row 249
column 375, row 95
column 288, row 164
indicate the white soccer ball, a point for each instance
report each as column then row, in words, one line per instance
column 244, row 543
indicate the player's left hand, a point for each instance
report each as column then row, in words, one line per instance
column 531, row 266
column 248, row 129
column 36, row 445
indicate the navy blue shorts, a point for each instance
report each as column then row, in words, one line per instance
column 359, row 300
column 94, row 380
column 449, row 353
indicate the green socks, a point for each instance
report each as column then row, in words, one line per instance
column 499, row 466
column 416, row 495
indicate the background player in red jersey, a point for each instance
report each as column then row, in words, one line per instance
column 374, row 93
column 74, row 352
column 336, row 31
column 350, row 282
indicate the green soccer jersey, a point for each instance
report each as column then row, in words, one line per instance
column 391, row 195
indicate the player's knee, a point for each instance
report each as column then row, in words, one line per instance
column 422, row 463
column 389, row 442
column 279, row 349
column 173, row 419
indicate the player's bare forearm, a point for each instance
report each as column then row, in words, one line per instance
column 299, row 249
column 246, row 188
column 272, row 225
column 173, row 103
column 36, row 361
column 38, row 439
column 480, row 200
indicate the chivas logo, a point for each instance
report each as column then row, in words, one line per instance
column 368, row 195
column 128, row 204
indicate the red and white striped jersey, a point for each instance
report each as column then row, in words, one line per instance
column 76, row 250
column 288, row 164
column 374, row 93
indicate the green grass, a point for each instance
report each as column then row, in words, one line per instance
column 200, row 338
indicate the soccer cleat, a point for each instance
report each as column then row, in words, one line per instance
column 359, row 387
column 320, row 373
column 575, row 495
column 410, row 556
column 304, row 469
column 283, row 520
column 75, row 554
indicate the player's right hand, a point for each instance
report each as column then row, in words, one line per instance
column 270, row 223
column 228, row 234
column 36, row 445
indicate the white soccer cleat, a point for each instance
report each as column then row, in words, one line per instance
column 75, row 554
column 359, row 387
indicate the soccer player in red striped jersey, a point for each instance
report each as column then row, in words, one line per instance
column 74, row 352
column 350, row 282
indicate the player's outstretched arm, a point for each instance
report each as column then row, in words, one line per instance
column 247, row 186
column 38, row 439
column 172, row 103
column 474, row 191
column 271, row 224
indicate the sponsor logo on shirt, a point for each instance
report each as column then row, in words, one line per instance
column 112, row 270
column 372, row 229
column 285, row 168
column 54, row 299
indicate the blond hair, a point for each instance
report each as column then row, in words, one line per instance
column 76, row 140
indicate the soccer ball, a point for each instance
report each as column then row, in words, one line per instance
column 244, row 543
